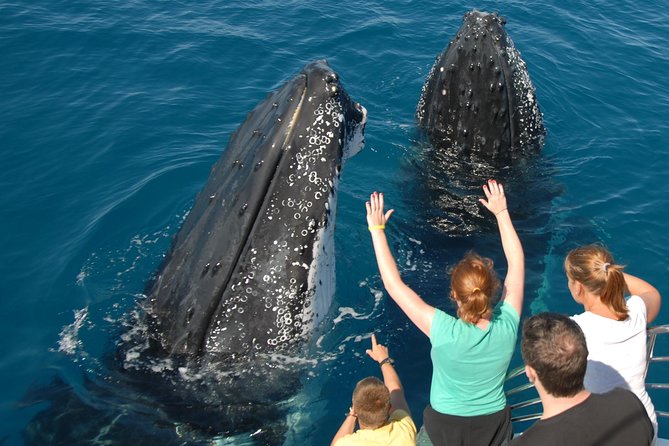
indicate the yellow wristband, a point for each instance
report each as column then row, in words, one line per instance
column 371, row 228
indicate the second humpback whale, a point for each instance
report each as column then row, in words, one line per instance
column 479, row 111
column 478, row 97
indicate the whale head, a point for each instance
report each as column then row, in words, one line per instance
column 252, row 268
column 478, row 97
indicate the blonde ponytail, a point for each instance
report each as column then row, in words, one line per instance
column 593, row 267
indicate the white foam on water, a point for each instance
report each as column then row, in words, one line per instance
column 68, row 340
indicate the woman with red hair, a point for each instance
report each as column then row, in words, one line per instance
column 470, row 353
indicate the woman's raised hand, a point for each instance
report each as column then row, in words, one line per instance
column 495, row 198
column 376, row 218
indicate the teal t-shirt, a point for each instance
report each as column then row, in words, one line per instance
column 469, row 364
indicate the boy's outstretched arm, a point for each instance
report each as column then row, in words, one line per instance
column 347, row 427
column 391, row 379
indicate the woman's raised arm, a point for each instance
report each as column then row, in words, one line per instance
column 647, row 292
column 514, row 283
column 419, row 312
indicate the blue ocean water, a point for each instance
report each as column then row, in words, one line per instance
column 112, row 113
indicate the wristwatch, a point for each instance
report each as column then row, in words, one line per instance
column 387, row 360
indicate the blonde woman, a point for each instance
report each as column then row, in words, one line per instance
column 614, row 325
column 470, row 353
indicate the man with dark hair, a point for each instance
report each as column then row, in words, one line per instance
column 556, row 357
column 379, row 407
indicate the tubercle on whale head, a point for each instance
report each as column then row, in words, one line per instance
column 484, row 17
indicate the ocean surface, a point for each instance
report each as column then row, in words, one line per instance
column 112, row 113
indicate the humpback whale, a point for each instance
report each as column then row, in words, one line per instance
column 478, row 97
column 252, row 268
column 479, row 112
column 218, row 350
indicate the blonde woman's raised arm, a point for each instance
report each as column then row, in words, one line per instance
column 647, row 292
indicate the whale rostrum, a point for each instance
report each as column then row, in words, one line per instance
column 478, row 97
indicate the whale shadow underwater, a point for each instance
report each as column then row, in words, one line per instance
column 248, row 278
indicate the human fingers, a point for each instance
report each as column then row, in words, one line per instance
column 374, row 344
column 389, row 213
column 492, row 185
column 382, row 351
column 378, row 199
column 486, row 191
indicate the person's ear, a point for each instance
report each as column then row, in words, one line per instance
column 531, row 373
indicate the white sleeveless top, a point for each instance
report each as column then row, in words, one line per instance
column 617, row 352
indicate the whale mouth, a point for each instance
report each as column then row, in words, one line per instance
column 357, row 140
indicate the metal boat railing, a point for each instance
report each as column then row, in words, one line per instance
column 533, row 400
column 523, row 389
column 653, row 333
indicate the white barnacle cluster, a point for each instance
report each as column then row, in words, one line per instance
column 313, row 171
column 528, row 108
column 263, row 283
column 285, row 324
column 279, row 277
column 278, row 295
column 420, row 109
